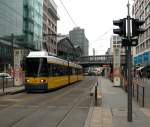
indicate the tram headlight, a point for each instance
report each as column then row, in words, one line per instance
column 42, row 80
column 27, row 80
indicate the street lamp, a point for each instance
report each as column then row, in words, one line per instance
column 12, row 50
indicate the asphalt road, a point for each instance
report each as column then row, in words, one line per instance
column 65, row 107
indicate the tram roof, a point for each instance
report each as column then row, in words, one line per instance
column 51, row 59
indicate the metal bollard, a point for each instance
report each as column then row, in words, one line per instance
column 6, row 82
column 137, row 92
column 96, row 95
column 143, row 96
column 3, row 84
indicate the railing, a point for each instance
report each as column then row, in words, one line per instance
column 140, row 91
column 4, row 81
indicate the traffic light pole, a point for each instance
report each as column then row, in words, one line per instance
column 129, row 67
column 126, row 65
column 128, row 29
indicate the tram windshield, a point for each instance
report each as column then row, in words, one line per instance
column 36, row 67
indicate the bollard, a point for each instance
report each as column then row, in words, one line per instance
column 137, row 92
column 143, row 97
column 3, row 84
column 6, row 82
column 96, row 95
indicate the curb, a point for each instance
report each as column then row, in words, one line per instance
column 88, row 120
column 16, row 92
column 12, row 92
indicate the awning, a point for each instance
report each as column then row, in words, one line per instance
column 140, row 68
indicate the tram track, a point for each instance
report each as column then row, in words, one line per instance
column 55, row 103
column 74, row 106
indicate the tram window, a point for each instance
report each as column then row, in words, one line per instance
column 73, row 71
column 76, row 71
column 70, row 71
column 54, row 70
column 79, row 71
column 50, row 66
column 36, row 67
column 57, row 70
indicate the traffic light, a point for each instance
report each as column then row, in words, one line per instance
column 136, row 27
column 133, row 42
column 122, row 27
column 124, row 41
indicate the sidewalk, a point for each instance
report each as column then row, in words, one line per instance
column 113, row 110
column 12, row 90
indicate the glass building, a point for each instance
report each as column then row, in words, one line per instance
column 24, row 19
column 32, row 22
column 11, row 17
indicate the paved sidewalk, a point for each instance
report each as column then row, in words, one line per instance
column 113, row 111
column 12, row 90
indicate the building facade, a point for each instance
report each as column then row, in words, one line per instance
column 66, row 50
column 50, row 26
column 115, row 41
column 11, row 17
column 32, row 23
column 24, row 19
column 141, row 10
column 78, row 38
column 11, row 21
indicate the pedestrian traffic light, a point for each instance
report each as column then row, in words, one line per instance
column 122, row 27
column 133, row 42
column 136, row 27
column 124, row 41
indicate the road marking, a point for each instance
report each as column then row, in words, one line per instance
column 27, row 106
column 82, row 107
column 3, row 105
column 12, row 99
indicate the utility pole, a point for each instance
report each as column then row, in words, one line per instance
column 129, row 65
column 12, row 55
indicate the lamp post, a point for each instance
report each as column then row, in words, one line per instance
column 12, row 57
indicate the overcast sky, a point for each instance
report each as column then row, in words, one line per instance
column 95, row 16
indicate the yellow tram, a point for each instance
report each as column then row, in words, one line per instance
column 44, row 72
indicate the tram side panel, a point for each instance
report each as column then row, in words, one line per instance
column 80, row 74
column 58, row 76
column 73, row 75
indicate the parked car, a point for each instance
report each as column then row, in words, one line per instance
column 6, row 76
column 92, row 73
